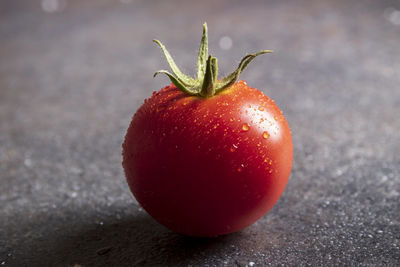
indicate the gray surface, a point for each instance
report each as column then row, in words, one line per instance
column 70, row 80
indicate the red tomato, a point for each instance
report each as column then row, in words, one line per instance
column 206, row 166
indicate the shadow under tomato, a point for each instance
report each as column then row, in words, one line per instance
column 133, row 241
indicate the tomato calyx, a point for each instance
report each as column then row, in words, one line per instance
column 206, row 83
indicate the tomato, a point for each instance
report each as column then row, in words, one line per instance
column 208, row 165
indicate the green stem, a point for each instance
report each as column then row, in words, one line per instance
column 208, row 88
column 206, row 84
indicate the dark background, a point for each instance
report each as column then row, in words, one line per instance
column 72, row 74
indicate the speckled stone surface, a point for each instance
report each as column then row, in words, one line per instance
column 72, row 73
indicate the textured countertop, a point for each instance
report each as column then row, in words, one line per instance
column 72, row 74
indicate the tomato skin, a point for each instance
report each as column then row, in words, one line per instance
column 208, row 166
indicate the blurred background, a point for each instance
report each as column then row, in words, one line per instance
column 72, row 74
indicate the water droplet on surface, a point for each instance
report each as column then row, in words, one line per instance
column 265, row 135
column 245, row 127
column 52, row 6
column 28, row 162
column 225, row 43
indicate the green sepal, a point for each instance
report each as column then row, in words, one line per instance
column 186, row 80
column 177, row 83
column 203, row 54
column 206, row 83
column 234, row 76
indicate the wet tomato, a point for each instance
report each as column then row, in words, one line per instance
column 207, row 161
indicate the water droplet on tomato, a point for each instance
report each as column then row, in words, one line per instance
column 240, row 168
column 233, row 148
column 265, row 135
column 245, row 127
